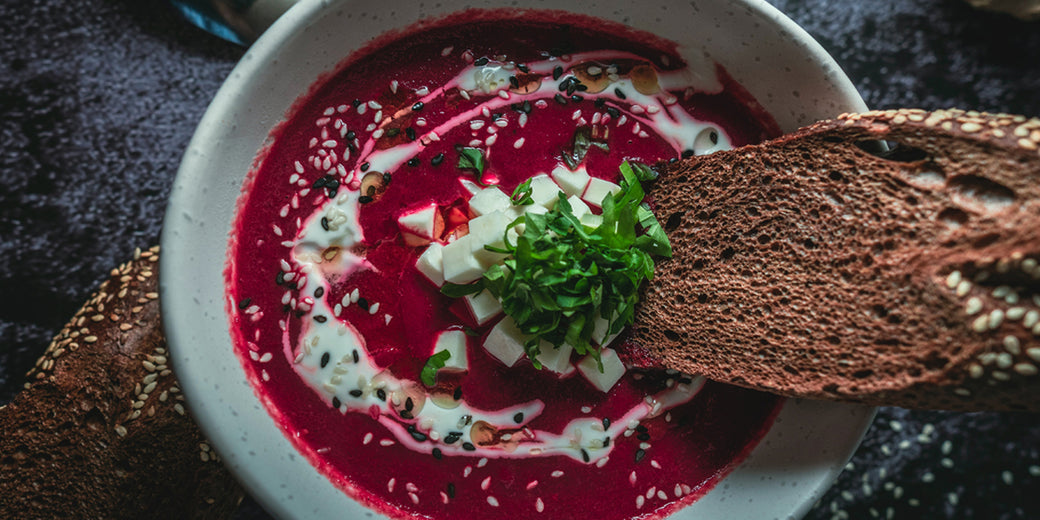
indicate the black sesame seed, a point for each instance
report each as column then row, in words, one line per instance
column 356, row 103
column 356, row 356
column 687, row 153
column 244, row 303
column 580, row 87
column 640, row 454
column 452, row 437
column 468, row 446
column 387, row 177
column 518, row 418
column 286, row 309
column 325, row 223
column 565, row 84
column 673, row 160
column 525, row 107
column 523, row 68
column 599, row 102
column 405, row 414
column 320, row 319
column 325, row 359
column 364, row 166
column 418, row 106
column 410, row 133
column 414, row 161
column 458, row 393
column 619, row 93
column 451, row 490
column 416, row 434
column 437, row 159
column 614, row 112
column 557, row 72
column 513, row 82
column 356, row 393
column 585, row 455
column 714, row 136
column 364, row 199
column 643, row 437
column 606, row 442
column 480, row 62
column 336, row 403
column 381, row 394
column 409, row 404
column 363, row 303
column 319, row 292
column 606, row 423
column 300, row 313
column 437, row 453
column 560, row 99
column 576, row 98
column 351, row 135
column 641, row 429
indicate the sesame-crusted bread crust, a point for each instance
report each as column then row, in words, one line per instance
column 810, row 267
column 101, row 430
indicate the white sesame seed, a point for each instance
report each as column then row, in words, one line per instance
column 518, row 143
column 1004, row 360
column 973, row 306
column 996, row 317
column 981, row 324
column 539, row 505
column 491, row 140
column 1000, row 376
column 1026, row 369
column 492, row 501
column 1034, row 470
column 1033, row 353
column 946, row 462
column 640, row 501
column 961, row 392
column 504, row 94
column 1015, row 313
column 963, row 288
column 1012, row 345
column 953, row 279
column 556, row 474
column 975, row 371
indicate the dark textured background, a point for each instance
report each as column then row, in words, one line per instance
column 98, row 99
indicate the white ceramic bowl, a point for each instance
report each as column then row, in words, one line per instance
column 775, row 60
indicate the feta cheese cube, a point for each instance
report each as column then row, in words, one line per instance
column 571, row 182
column 599, row 332
column 488, row 200
column 556, row 359
column 597, row 190
column 544, row 191
column 460, row 266
column 591, row 220
column 613, row 369
column 454, row 341
column 470, row 186
column 505, row 342
column 431, row 264
column 483, row 306
column 578, row 206
column 421, row 221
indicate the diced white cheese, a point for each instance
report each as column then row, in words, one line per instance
column 470, row 186
column 530, row 208
column 578, row 206
column 489, row 230
column 556, row 359
column 460, row 266
column 591, row 220
column 597, row 190
column 431, row 264
column 488, row 200
column 571, row 182
column 454, row 341
column 613, row 369
column 421, row 221
column 483, row 306
column 599, row 332
column 505, row 342
column 544, row 191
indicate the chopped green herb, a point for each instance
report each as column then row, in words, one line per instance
column 522, row 194
column 561, row 277
column 473, row 159
column 433, row 364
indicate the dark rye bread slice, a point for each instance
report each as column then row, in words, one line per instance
column 100, row 430
column 808, row 266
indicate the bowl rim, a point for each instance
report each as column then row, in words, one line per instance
column 265, row 468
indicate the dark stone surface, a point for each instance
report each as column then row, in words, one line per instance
column 98, row 99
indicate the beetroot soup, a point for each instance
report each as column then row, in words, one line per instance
column 390, row 179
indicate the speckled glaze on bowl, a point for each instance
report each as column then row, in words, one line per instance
column 776, row 61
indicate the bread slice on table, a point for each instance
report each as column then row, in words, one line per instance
column 820, row 265
column 101, row 430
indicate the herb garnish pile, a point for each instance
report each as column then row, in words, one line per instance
column 561, row 275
